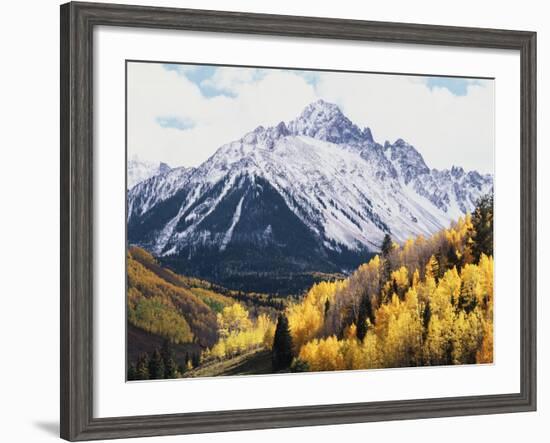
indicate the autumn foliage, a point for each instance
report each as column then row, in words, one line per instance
column 428, row 302
column 238, row 333
column 164, row 304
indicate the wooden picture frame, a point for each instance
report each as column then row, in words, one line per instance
column 77, row 23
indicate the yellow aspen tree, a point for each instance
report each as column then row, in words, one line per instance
column 485, row 353
column 352, row 354
column 415, row 279
column 432, row 268
column 233, row 318
column 399, row 331
column 438, row 344
column 323, row 355
column 306, row 319
column 486, row 266
column 370, row 357
column 467, row 335
column 448, row 289
column 371, row 277
column 472, row 293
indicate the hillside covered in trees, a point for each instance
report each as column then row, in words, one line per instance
column 426, row 302
column 173, row 320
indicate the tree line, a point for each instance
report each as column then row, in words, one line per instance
column 161, row 364
column 427, row 302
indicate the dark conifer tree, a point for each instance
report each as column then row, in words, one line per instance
column 142, row 367
column 453, row 259
column 386, row 245
column 395, row 288
column 327, row 307
column 443, row 264
column 196, row 359
column 426, row 316
column 386, row 248
column 482, row 221
column 186, row 359
column 170, row 367
column 348, row 317
column 282, row 344
column 156, row 366
column 365, row 312
column 132, row 373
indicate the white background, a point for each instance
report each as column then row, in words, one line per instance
column 29, row 223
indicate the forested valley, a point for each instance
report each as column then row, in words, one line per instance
column 426, row 302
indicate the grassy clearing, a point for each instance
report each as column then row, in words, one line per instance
column 251, row 363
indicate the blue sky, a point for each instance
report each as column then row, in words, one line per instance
column 175, row 122
column 201, row 74
column 456, row 86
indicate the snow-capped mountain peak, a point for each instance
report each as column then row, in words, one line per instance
column 138, row 170
column 367, row 135
column 317, row 192
column 163, row 168
column 325, row 121
column 266, row 137
column 406, row 159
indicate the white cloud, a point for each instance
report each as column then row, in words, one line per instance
column 231, row 79
column 447, row 129
column 154, row 91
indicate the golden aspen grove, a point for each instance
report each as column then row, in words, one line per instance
column 428, row 301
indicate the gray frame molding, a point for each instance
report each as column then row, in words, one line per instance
column 77, row 24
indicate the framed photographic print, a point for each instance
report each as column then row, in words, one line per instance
column 272, row 221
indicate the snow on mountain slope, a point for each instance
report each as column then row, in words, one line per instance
column 320, row 178
column 147, row 193
column 138, row 170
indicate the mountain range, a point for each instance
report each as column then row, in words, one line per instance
column 316, row 194
column 139, row 170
